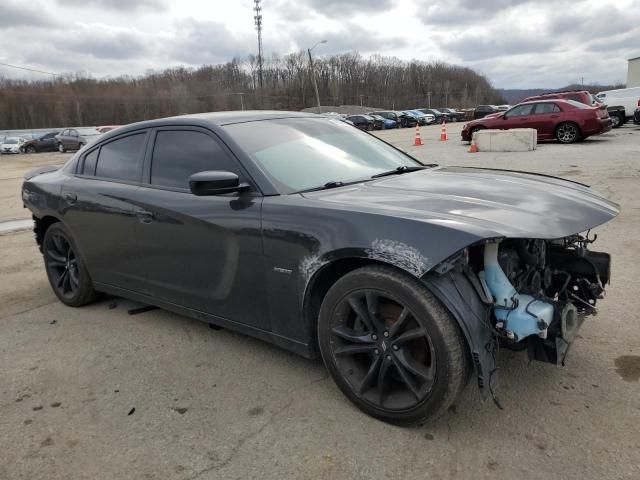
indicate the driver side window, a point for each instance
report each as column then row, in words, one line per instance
column 178, row 154
column 521, row 110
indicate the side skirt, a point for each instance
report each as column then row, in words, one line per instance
column 302, row 349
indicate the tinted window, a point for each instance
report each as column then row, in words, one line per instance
column 520, row 110
column 178, row 154
column 122, row 158
column 90, row 160
column 542, row 108
column 576, row 98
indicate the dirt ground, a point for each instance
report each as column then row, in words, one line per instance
column 98, row 394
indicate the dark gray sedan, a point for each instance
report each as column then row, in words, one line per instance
column 311, row 234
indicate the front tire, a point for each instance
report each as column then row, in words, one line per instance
column 391, row 347
column 31, row 149
column 61, row 148
column 66, row 271
column 567, row 133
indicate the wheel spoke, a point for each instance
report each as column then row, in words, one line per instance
column 423, row 372
column 350, row 336
column 371, row 374
column 409, row 335
column 75, row 281
column 55, row 259
column 405, row 378
column 357, row 307
column 60, row 281
column 399, row 323
column 382, row 375
column 355, row 348
column 372, row 308
column 57, row 242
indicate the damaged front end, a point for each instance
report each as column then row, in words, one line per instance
column 521, row 293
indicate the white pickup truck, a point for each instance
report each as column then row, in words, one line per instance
column 626, row 99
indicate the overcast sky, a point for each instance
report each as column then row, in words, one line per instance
column 516, row 43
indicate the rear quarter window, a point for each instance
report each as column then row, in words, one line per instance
column 121, row 159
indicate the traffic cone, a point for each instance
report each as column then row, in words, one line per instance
column 473, row 148
column 443, row 132
column 418, row 141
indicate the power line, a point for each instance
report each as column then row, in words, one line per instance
column 30, row 69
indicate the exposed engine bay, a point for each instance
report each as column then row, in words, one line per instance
column 542, row 290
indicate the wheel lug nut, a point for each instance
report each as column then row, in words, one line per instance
column 376, row 351
column 374, row 337
column 395, row 347
column 388, row 357
column 386, row 334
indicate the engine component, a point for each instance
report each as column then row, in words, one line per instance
column 519, row 315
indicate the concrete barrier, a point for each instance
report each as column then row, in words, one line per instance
column 514, row 140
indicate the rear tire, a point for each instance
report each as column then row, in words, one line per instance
column 31, row 149
column 567, row 132
column 402, row 357
column 66, row 271
column 617, row 120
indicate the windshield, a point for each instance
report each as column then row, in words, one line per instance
column 11, row 141
column 302, row 153
column 579, row 105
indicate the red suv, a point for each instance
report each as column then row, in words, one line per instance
column 565, row 120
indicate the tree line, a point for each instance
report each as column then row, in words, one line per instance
column 343, row 79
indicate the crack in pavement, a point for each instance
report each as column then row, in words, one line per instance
column 28, row 310
column 243, row 440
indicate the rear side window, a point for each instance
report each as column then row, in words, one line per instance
column 122, row 158
column 178, row 154
column 542, row 108
column 575, row 98
column 90, row 160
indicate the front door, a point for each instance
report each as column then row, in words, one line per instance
column 544, row 119
column 518, row 117
column 200, row 252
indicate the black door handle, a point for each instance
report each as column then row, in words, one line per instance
column 144, row 216
column 70, row 197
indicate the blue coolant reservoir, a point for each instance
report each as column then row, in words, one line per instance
column 520, row 313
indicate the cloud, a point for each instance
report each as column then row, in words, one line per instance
column 118, row 5
column 14, row 15
column 342, row 7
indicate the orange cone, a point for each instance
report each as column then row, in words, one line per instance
column 418, row 141
column 473, row 148
column 443, row 132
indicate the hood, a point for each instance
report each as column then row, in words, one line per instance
column 484, row 202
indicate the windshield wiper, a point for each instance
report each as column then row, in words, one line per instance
column 398, row 171
column 326, row 186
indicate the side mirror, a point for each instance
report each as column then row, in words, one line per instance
column 215, row 183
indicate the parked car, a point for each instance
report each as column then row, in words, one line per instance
column 11, row 145
column 386, row 122
column 402, row 119
column 75, row 139
column 625, row 99
column 324, row 240
column 454, row 115
column 616, row 114
column 106, row 128
column 439, row 116
column 502, row 108
column 43, row 143
column 363, row 122
column 484, row 110
column 565, row 120
column 424, row 118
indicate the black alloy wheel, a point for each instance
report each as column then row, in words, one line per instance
column 31, row 149
column 67, row 275
column 390, row 346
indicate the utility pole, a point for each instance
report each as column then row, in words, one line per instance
column 361, row 95
column 429, row 98
column 312, row 72
column 257, row 18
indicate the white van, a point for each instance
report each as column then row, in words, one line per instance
column 628, row 98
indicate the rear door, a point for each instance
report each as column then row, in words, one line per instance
column 544, row 119
column 99, row 209
column 200, row 252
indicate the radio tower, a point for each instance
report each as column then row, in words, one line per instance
column 258, row 21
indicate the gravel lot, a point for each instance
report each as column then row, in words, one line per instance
column 95, row 393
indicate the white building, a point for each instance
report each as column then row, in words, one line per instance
column 633, row 73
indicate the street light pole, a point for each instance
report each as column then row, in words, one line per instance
column 313, row 72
